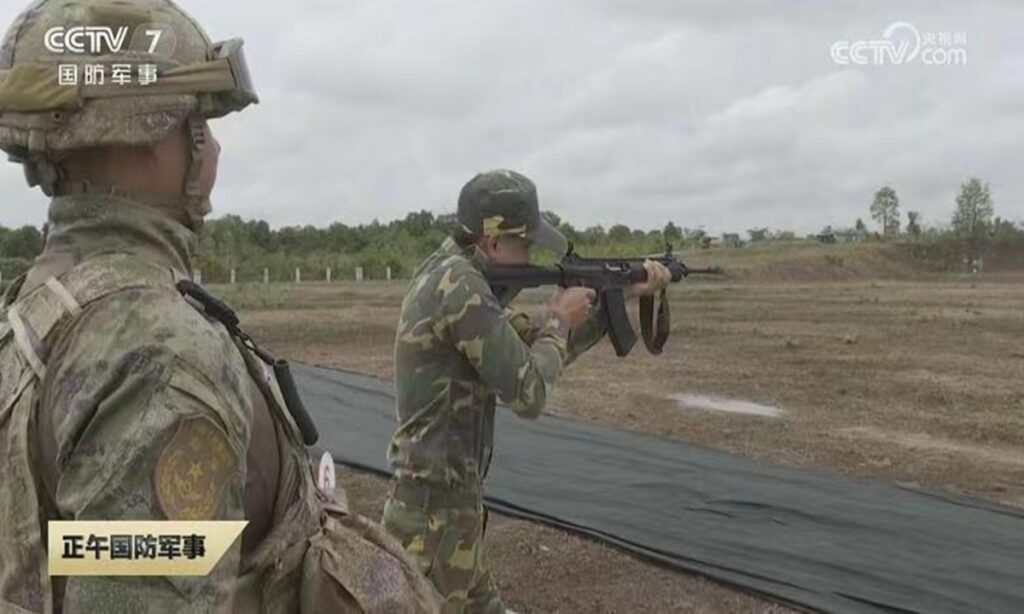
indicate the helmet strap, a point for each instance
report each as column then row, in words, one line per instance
column 42, row 172
column 196, row 145
column 197, row 206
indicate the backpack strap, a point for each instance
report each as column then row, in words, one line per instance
column 35, row 315
column 26, row 340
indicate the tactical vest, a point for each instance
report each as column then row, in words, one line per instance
column 317, row 557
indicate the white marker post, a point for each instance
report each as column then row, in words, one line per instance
column 298, row 275
column 328, row 275
column 233, row 277
column 389, row 274
column 197, row 276
column 266, row 276
column 359, row 273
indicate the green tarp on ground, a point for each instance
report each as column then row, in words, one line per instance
column 811, row 538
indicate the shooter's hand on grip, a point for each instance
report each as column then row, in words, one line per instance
column 572, row 305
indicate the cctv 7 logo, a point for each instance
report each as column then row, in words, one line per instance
column 155, row 35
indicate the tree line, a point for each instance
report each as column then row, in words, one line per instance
column 18, row 246
column 252, row 246
column 973, row 233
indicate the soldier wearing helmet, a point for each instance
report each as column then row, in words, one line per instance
column 119, row 398
column 457, row 351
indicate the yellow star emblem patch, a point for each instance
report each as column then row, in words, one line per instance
column 194, row 467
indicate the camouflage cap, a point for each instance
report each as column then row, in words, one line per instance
column 503, row 202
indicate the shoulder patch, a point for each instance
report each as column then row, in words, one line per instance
column 194, row 467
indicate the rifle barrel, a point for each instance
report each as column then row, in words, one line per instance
column 714, row 270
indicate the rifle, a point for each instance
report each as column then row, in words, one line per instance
column 609, row 278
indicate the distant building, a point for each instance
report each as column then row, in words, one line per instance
column 731, row 239
column 842, row 235
column 851, row 235
column 758, row 234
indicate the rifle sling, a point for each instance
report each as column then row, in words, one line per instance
column 655, row 335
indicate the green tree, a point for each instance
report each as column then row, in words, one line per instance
column 672, row 233
column 446, row 222
column 25, row 242
column 260, row 235
column 972, row 219
column 594, row 234
column 913, row 224
column 419, row 223
column 619, row 233
column 885, row 209
column 860, row 227
column 1006, row 236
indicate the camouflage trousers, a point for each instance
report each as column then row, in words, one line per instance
column 447, row 543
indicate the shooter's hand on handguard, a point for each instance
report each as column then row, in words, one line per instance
column 658, row 278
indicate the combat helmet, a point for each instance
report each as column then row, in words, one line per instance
column 78, row 74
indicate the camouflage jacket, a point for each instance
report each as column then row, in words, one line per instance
column 456, row 351
column 120, row 401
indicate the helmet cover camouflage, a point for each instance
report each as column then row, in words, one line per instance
column 41, row 116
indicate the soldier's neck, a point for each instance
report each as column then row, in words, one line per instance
column 87, row 225
column 473, row 253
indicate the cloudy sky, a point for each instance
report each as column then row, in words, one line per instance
column 726, row 115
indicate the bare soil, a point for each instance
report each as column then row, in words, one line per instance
column 918, row 382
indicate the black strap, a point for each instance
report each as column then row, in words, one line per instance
column 655, row 334
column 487, row 435
column 222, row 312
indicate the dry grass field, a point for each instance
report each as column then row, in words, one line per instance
column 877, row 373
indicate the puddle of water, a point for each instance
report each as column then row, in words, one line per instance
column 732, row 406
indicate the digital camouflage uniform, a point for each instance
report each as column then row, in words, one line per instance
column 457, row 350
column 122, row 400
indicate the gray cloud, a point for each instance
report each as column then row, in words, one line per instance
column 722, row 115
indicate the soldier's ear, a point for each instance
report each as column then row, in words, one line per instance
column 488, row 245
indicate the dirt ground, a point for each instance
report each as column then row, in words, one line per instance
column 917, row 382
